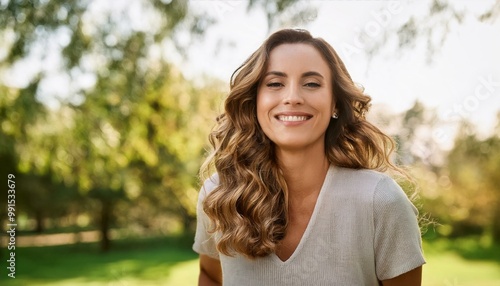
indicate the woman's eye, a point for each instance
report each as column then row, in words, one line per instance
column 274, row 84
column 312, row 84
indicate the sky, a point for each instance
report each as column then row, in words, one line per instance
column 461, row 82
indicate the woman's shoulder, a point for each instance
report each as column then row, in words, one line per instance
column 361, row 176
column 372, row 186
column 210, row 184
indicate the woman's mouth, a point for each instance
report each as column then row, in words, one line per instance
column 293, row 118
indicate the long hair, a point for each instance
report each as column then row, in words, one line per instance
column 249, row 206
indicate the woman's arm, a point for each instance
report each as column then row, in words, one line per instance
column 210, row 271
column 410, row 278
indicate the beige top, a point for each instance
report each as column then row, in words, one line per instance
column 363, row 229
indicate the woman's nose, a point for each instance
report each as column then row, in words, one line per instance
column 293, row 96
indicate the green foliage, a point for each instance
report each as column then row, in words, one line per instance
column 473, row 170
column 457, row 190
column 122, row 140
column 114, row 140
column 462, row 195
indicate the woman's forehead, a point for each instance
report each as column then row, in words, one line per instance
column 297, row 56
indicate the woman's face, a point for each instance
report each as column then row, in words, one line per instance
column 294, row 99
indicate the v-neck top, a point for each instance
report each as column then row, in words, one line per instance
column 363, row 229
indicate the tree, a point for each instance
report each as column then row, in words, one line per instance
column 460, row 189
column 432, row 27
column 463, row 194
column 297, row 13
column 122, row 123
column 122, row 48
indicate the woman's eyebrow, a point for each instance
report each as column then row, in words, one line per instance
column 312, row 73
column 282, row 74
column 276, row 73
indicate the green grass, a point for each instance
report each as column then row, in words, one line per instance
column 464, row 262
column 158, row 261
column 170, row 261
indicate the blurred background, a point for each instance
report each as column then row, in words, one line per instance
column 105, row 109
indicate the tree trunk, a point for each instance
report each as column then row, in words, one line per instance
column 188, row 221
column 39, row 222
column 105, row 224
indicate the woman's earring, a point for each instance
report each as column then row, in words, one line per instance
column 335, row 115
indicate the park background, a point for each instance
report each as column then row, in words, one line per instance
column 105, row 108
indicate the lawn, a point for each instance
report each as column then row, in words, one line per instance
column 158, row 261
column 464, row 262
column 169, row 261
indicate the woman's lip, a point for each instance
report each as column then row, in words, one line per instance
column 293, row 113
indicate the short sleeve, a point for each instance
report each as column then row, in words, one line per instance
column 397, row 239
column 204, row 242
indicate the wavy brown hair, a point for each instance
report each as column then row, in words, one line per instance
column 249, row 206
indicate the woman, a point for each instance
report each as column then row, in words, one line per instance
column 299, row 197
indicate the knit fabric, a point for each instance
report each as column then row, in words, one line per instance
column 363, row 230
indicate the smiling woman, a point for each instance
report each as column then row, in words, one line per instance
column 299, row 197
column 294, row 107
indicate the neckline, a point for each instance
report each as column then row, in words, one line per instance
column 311, row 223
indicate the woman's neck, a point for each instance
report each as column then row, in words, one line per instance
column 304, row 170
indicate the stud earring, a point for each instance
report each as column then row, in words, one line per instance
column 335, row 115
